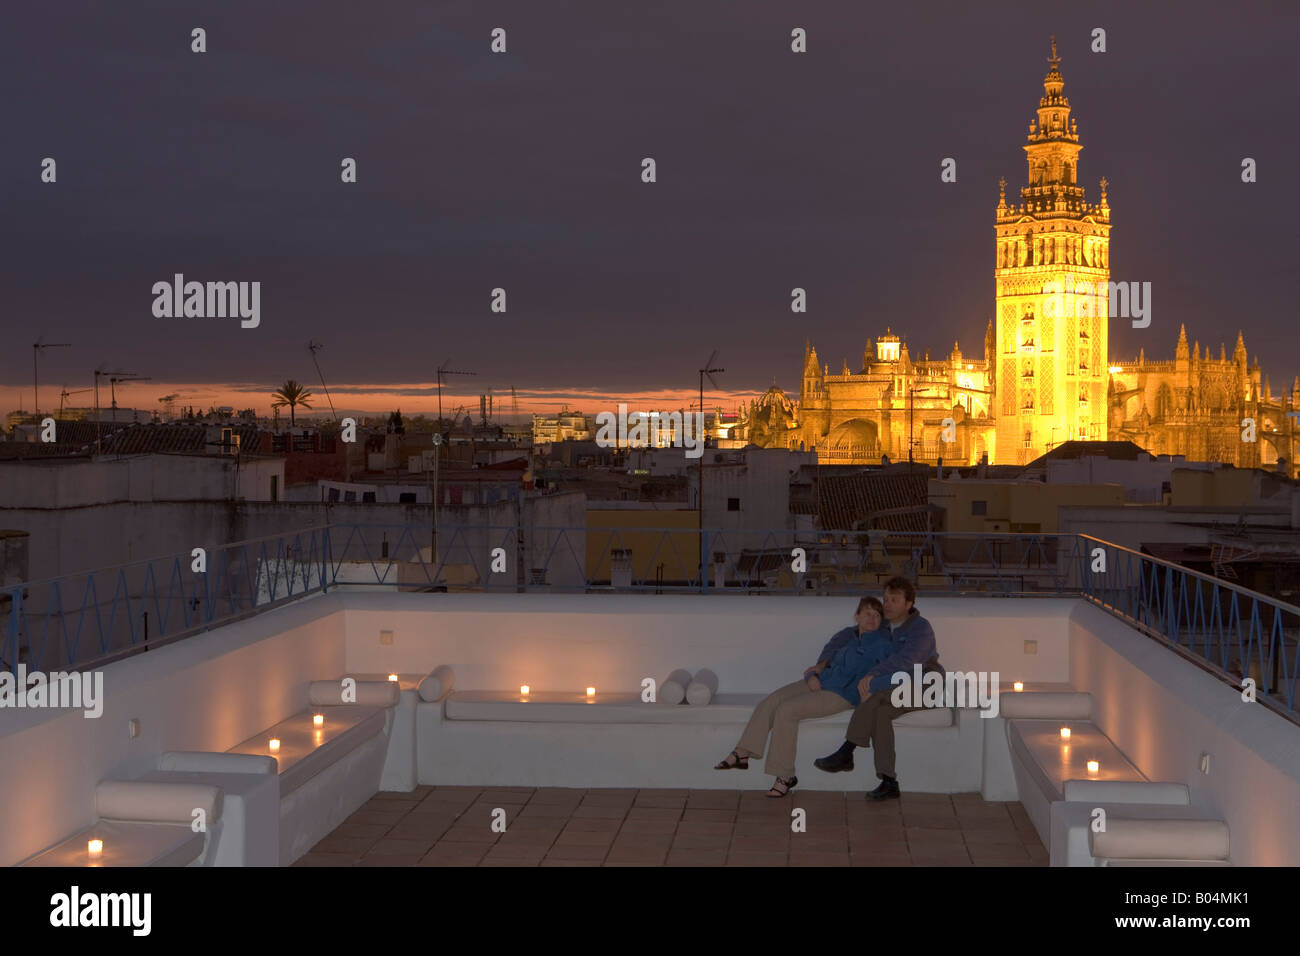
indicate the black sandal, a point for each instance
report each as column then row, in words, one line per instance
column 789, row 785
column 740, row 763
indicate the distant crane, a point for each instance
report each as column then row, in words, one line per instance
column 65, row 393
column 113, row 379
column 39, row 344
column 514, row 406
column 313, row 347
column 444, row 371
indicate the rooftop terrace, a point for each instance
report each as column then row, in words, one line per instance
column 1145, row 659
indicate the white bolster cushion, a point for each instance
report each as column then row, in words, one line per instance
column 1127, row 791
column 195, row 761
column 702, row 688
column 1161, row 840
column 438, row 684
column 370, row 693
column 673, row 689
column 149, row 802
column 1069, row 706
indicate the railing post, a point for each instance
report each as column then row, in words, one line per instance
column 704, row 550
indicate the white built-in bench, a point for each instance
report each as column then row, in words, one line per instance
column 494, row 738
column 326, row 773
column 143, row 824
column 1146, row 824
column 250, row 792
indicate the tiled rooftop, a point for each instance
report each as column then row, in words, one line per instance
column 895, row 502
column 451, row 826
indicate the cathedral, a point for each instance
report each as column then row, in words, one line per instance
column 1045, row 375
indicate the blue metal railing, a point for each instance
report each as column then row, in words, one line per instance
column 87, row 618
column 80, row 620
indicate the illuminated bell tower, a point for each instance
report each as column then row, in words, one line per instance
column 1052, row 251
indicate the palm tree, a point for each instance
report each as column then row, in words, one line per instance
column 293, row 395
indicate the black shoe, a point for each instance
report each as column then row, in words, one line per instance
column 835, row 763
column 888, row 790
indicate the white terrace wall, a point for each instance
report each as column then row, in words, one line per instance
column 1164, row 712
column 208, row 692
column 559, row 642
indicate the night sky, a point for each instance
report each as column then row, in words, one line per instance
column 522, row 170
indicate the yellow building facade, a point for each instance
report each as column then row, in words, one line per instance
column 1045, row 375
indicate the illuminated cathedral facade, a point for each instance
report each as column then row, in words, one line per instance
column 1044, row 375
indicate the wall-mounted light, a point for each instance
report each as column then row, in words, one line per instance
column 1018, row 686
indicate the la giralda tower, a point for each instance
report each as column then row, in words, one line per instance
column 1050, row 357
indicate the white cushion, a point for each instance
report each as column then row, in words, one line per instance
column 1161, row 840
column 1127, row 791
column 369, row 693
column 702, row 688
column 150, row 802
column 673, row 689
column 185, row 761
column 1071, row 706
column 438, row 684
column 628, row 708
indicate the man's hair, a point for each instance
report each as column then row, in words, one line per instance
column 871, row 602
column 900, row 583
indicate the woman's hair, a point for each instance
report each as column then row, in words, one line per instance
column 873, row 603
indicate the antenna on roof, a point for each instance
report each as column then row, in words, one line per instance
column 708, row 371
column 313, row 347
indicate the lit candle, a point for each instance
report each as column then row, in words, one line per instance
column 1065, row 733
column 275, row 744
column 523, row 690
column 318, row 719
column 1018, row 686
column 393, row 678
column 591, row 692
column 1093, row 766
column 95, row 848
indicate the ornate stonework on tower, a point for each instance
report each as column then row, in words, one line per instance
column 1052, row 249
column 1046, row 376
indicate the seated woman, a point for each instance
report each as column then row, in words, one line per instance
column 827, row 688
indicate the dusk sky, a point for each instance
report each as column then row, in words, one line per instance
column 522, row 170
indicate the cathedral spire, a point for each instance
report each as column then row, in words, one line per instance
column 1180, row 351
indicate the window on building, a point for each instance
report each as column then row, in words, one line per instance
column 275, row 487
column 733, row 504
column 334, row 494
column 1029, row 439
column 368, row 497
column 349, row 496
column 979, row 507
column 406, row 498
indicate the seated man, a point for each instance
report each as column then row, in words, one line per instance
column 872, row 725
column 826, row 688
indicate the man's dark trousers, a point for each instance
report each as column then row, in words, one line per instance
column 873, row 726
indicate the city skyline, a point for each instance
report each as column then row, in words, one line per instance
column 233, row 175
